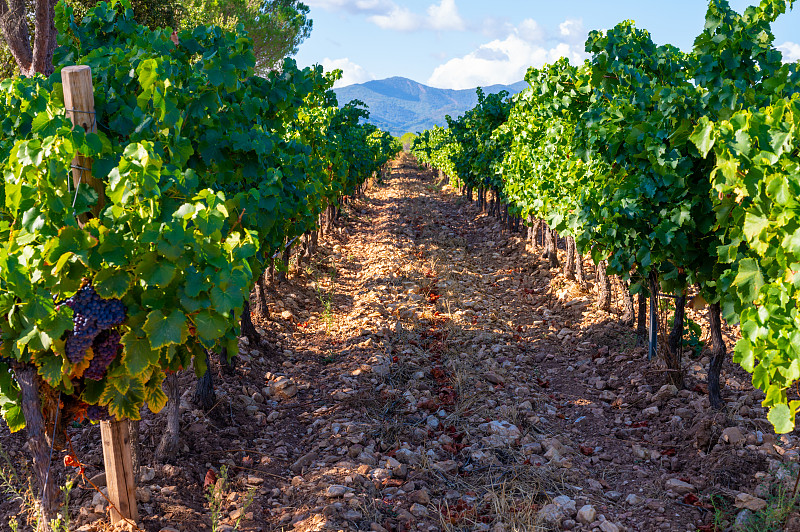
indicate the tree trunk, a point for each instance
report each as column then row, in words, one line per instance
column 39, row 443
column 569, row 264
column 204, row 395
column 641, row 320
column 603, row 287
column 44, row 41
column 168, row 446
column 628, row 313
column 16, row 33
column 717, row 357
column 675, row 343
column 14, row 26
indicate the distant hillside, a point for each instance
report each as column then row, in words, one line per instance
column 399, row 105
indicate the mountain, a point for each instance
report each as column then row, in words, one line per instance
column 399, row 105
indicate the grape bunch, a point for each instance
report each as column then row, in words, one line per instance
column 105, row 347
column 97, row 413
column 91, row 314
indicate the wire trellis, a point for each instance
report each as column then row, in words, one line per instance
column 90, row 128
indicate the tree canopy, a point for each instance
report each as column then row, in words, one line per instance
column 277, row 27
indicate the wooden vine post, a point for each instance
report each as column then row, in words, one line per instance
column 79, row 104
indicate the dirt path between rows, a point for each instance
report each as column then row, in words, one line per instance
column 427, row 372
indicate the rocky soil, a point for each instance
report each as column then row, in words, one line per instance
column 428, row 372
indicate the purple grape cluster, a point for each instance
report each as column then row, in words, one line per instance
column 91, row 314
column 97, row 413
column 105, row 347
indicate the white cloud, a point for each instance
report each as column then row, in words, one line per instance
column 445, row 16
column 495, row 28
column 572, row 30
column 790, row 51
column 398, row 19
column 531, row 31
column 351, row 72
column 354, row 6
column 507, row 60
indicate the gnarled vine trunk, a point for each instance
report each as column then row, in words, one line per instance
column 204, row 395
column 168, row 446
column 261, row 307
column 641, row 320
column 674, row 343
column 569, row 263
column 550, row 248
column 247, row 327
column 39, row 443
column 603, row 287
column 717, row 356
column 628, row 313
column 285, row 258
column 580, row 274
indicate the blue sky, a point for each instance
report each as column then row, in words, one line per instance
column 460, row 44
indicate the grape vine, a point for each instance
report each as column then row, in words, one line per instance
column 208, row 170
column 680, row 169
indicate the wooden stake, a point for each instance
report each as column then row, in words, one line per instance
column 119, row 469
column 79, row 103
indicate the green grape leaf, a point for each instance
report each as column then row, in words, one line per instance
column 50, row 368
column 137, row 354
column 210, row 325
column 93, row 391
column 749, row 280
column 703, row 136
column 782, row 416
column 154, row 271
column 112, row 283
column 163, row 330
column 124, row 405
column 148, row 73
column 225, row 300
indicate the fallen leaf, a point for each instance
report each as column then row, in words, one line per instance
column 691, row 499
column 210, row 480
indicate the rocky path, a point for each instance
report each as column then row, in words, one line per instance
column 427, row 372
column 465, row 386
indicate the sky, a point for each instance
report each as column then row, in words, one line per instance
column 460, row 44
